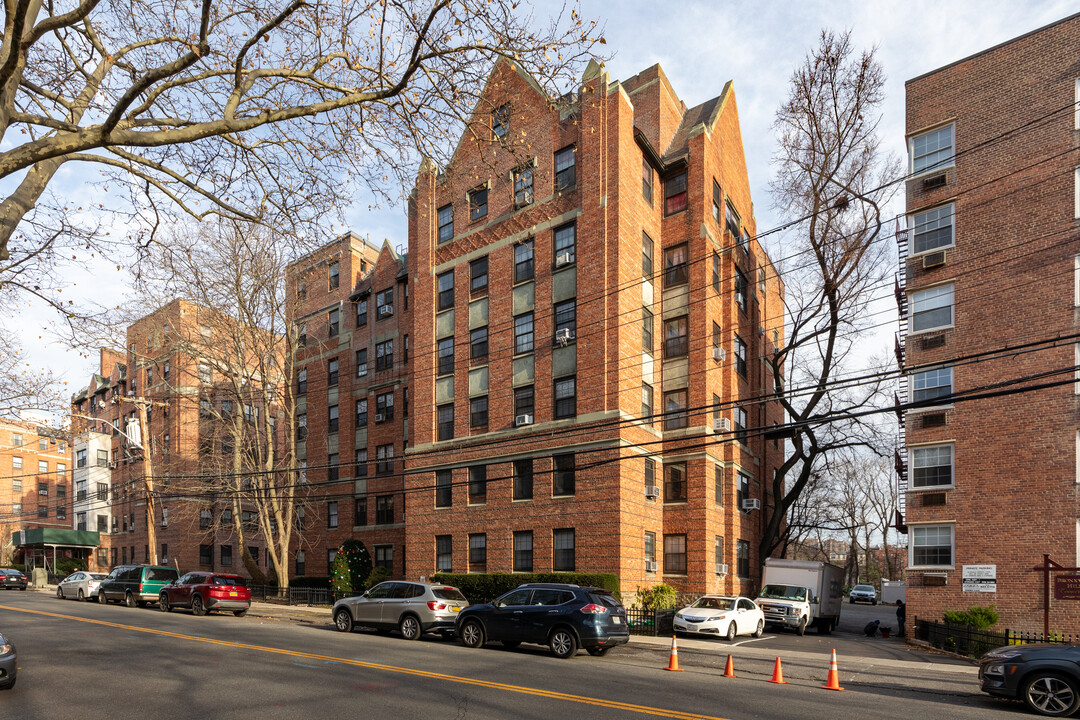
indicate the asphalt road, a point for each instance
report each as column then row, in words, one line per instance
column 85, row 660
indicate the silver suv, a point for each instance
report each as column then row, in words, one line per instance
column 863, row 593
column 414, row 608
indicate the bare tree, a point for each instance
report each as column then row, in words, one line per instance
column 235, row 273
column 832, row 181
column 265, row 111
column 23, row 387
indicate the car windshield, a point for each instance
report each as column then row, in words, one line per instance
column 448, row 593
column 229, row 580
column 715, row 603
column 864, row 588
column 783, row 592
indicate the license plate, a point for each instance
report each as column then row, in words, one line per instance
column 232, row 594
column 616, row 619
column 456, row 608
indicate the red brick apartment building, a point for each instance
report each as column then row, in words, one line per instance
column 991, row 261
column 590, row 313
column 186, row 404
column 352, row 389
column 34, row 483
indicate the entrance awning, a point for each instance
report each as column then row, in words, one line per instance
column 55, row 537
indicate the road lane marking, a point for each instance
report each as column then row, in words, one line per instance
column 582, row 699
column 743, row 642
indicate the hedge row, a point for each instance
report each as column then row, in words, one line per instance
column 482, row 588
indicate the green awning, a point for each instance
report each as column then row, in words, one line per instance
column 55, row 536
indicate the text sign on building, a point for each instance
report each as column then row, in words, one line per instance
column 1067, row 587
column 979, row 578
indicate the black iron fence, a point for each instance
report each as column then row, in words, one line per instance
column 653, row 623
column 291, row 595
column 972, row 642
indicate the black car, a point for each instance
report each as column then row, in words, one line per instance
column 1045, row 677
column 12, row 579
column 8, row 663
column 563, row 617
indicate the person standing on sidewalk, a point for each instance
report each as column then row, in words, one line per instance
column 901, row 617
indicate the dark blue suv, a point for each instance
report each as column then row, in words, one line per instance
column 563, row 617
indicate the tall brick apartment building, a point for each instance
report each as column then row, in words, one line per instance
column 193, row 519
column 34, row 483
column 590, row 310
column 352, row 389
column 991, row 261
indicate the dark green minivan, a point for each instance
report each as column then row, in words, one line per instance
column 135, row 585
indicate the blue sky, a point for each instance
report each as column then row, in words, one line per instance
column 700, row 45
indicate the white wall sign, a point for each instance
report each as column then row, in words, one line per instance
column 979, row 578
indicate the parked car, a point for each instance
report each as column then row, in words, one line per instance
column 8, row 663
column 563, row 617
column 1045, row 677
column 81, row 585
column 863, row 593
column 721, row 615
column 12, row 579
column 206, row 591
column 414, row 608
column 135, row 585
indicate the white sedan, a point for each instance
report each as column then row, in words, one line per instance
column 722, row 616
column 81, row 584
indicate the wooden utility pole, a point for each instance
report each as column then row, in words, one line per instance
column 148, row 479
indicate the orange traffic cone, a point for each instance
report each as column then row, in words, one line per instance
column 673, row 662
column 833, row 683
column 778, row 674
column 729, row 671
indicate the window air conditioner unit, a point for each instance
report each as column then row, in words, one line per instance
column 361, row 370
column 651, row 566
column 386, row 309
column 43, row 492
column 719, row 354
column 933, row 260
column 564, row 258
column 564, row 336
column 525, row 419
column 379, row 417
column 721, row 425
column 721, row 568
column 761, row 330
column 751, row 504
column 652, row 491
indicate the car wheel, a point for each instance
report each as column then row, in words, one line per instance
column 129, row 600
column 197, row 606
column 801, row 630
column 82, row 598
column 851, row 601
column 1051, row 694
column 873, row 602
column 472, row 634
column 343, row 620
column 163, row 603
column 598, row 651
column 59, row 593
column 10, row 685
column 240, row 613
column 510, row 644
column 732, row 631
column 825, row 627
column 760, row 629
column 410, row 628
column 101, row 597
column 562, row 643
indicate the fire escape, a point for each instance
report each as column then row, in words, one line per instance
column 900, row 453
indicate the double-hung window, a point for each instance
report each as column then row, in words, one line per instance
column 931, row 545
column 361, row 362
column 524, row 401
column 933, row 229
column 740, row 424
column 932, row 308
column 566, row 318
column 932, row 384
column 523, row 334
column 384, row 459
column 384, row 355
column 478, row 202
column 446, row 356
column 565, row 242
column 523, row 479
column 478, row 484
column 675, row 482
column 446, row 223
column 932, row 466
column 446, row 290
column 646, row 331
column 445, row 422
column 563, row 558
column 932, row 150
column 478, row 552
column 676, row 337
column 524, row 266
column 523, row 551
column 478, row 274
column 384, row 407
column 333, row 320
column 478, row 343
column 741, row 287
column 565, row 168
column 646, row 257
column 675, row 554
column 444, row 553
column 565, row 397
column 740, row 355
column 523, row 186
column 478, row 411
column 444, row 488
column 676, row 271
column 563, row 478
column 646, row 181
column 384, row 301
column 332, row 366
column 675, row 199
column 676, row 404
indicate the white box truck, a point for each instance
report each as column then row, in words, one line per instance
column 798, row 594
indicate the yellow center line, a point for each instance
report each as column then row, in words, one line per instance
column 599, row 702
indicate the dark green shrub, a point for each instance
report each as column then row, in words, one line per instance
column 485, row 587
column 377, row 576
column 975, row 616
column 66, row 566
column 657, row 597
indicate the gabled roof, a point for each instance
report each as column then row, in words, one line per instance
column 697, row 119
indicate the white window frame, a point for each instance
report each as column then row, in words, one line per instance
column 1076, row 106
column 912, row 528
column 912, row 381
column 914, row 222
column 928, row 295
column 913, row 451
column 1076, row 281
column 951, row 161
column 1076, row 193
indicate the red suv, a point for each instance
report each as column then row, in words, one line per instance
column 206, row 591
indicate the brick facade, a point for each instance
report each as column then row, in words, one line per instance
column 35, row 480
column 1009, row 492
